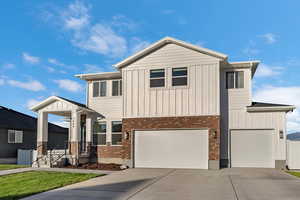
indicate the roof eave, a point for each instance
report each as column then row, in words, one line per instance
column 271, row 109
column 168, row 40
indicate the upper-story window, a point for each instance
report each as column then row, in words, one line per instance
column 15, row 137
column 99, row 89
column 157, row 78
column 117, row 88
column 179, row 76
column 235, row 79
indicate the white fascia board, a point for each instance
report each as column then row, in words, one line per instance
column 270, row 109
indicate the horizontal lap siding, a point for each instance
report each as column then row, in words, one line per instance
column 201, row 97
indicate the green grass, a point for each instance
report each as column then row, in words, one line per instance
column 295, row 174
column 9, row 166
column 16, row 186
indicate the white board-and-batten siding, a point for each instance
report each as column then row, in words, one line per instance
column 200, row 97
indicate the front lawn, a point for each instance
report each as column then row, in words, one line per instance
column 9, row 166
column 295, row 173
column 16, row 186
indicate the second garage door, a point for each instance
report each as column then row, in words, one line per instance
column 171, row 149
column 252, row 148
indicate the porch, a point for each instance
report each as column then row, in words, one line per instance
column 78, row 147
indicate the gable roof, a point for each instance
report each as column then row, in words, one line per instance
column 57, row 98
column 260, row 106
column 12, row 119
column 164, row 41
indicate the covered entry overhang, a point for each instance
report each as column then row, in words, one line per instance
column 80, row 125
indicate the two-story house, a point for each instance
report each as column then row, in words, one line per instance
column 172, row 105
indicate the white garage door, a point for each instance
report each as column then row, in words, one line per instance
column 252, row 148
column 171, row 149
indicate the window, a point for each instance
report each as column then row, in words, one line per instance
column 117, row 88
column 157, row 78
column 179, row 76
column 99, row 89
column 95, row 89
column 116, row 135
column 99, row 133
column 102, row 88
column 235, row 79
column 15, row 137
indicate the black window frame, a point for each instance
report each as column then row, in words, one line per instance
column 119, row 89
column 157, row 79
column 178, row 76
column 100, row 134
column 116, row 133
column 235, row 82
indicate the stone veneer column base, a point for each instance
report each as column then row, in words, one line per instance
column 280, row 164
column 41, row 148
column 214, row 164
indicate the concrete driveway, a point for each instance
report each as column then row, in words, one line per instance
column 165, row 184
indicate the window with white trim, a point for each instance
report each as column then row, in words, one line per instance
column 157, row 78
column 234, row 79
column 116, row 132
column 179, row 76
column 15, row 137
column 117, row 88
column 99, row 88
column 99, row 133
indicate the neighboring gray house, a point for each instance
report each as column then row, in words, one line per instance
column 172, row 105
column 18, row 131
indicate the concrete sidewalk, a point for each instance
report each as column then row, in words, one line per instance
column 14, row 171
column 68, row 170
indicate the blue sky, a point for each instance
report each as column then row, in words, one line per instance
column 45, row 43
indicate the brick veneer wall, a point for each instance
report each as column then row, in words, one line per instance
column 156, row 123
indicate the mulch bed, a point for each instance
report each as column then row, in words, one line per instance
column 97, row 166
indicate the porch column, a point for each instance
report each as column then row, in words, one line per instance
column 74, row 133
column 42, row 133
column 89, row 132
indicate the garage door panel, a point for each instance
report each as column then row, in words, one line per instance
column 171, row 149
column 252, row 148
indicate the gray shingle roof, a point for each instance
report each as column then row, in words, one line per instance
column 12, row 119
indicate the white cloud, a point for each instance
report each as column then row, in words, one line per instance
column 2, row 81
column 251, row 51
column 69, row 85
column 282, row 95
column 50, row 69
column 8, row 66
column 168, row 11
column 98, row 38
column 138, row 44
column 32, row 85
column 76, row 16
column 31, row 102
column 30, row 59
column 101, row 39
column 269, row 38
column 92, row 68
column 55, row 62
column 265, row 70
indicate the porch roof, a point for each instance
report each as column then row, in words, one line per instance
column 53, row 99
